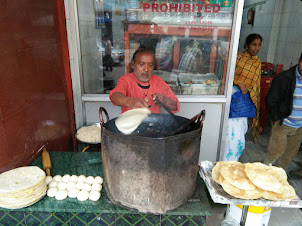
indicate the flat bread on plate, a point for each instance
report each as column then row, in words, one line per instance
column 238, row 193
column 288, row 193
column 216, row 169
column 260, row 176
column 235, row 175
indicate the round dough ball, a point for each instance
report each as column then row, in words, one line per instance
column 53, row 184
column 61, row 194
column 62, row 185
column 73, row 178
column 89, row 180
column 70, row 185
column 94, row 195
column 82, row 178
column 48, row 179
column 96, row 187
column 83, row 195
column 66, row 178
column 98, row 179
column 86, row 187
column 80, row 185
column 57, row 178
column 51, row 192
column 73, row 193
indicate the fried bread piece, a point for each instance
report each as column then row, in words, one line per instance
column 262, row 177
column 235, row 175
column 238, row 193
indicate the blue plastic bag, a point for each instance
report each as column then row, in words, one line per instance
column 242, row 106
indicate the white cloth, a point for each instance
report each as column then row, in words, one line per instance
column 235, row 138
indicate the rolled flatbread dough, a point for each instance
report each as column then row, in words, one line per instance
column 130, row 120
column 90, row 134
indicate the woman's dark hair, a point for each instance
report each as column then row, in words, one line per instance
column 251, row 38
column 143, row 49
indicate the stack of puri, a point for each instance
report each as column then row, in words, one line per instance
column 253, row 180
column 22, row 187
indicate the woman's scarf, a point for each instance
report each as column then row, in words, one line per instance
column 248, row 72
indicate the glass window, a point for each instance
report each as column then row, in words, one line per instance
column 190, row 39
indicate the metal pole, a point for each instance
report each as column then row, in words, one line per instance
column 244, row 215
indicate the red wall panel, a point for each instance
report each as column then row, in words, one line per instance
column 36, row 106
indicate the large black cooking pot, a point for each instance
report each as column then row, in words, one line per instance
column 151, row 170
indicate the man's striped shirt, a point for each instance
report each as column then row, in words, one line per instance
column 295, row 118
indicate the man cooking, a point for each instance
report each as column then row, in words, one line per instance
column 140, row 89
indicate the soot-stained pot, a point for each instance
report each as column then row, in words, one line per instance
column 151, row 170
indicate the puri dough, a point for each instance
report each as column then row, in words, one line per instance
column 62, row 185
column 73, row 178
column 89, row 180
column 66, row 178
column 130, row 120
column 51, row 192
column 96, row 187
column 70, row 185
column 61, row 194
column 80, row 185
column 82, row 178
column 83, row 195
column 94, row 195
column 53, row 184
column 98, row 179
column 73, row 193
column 86, row 187
column 91, row 134
column 48, row 179
column 57, row 178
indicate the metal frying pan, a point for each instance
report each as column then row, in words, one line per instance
column 185, row 126
column 157, row 125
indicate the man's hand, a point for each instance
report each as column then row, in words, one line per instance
column 170, row 103
column 243, row 88
column 129, row 102
column 136, row 103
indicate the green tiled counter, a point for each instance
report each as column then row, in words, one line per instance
column 49, row 211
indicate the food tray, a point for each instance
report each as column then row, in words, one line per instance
column 205, row 89
column 218, row 195
column 98, row 125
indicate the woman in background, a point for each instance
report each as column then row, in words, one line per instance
column 247, row 79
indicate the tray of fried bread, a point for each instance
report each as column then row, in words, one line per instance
column 253, row 184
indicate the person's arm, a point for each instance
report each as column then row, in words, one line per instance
column 170, row 103
column 243, row 88
column 119, row 99
column 166, row 95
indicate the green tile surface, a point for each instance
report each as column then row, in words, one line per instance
column 49, row 211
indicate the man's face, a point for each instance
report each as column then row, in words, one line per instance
column 300, row 67
column 143, row 66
